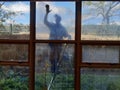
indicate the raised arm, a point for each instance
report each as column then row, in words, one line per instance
column 46, row 22
column 46, row 19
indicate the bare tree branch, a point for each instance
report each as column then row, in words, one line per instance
column 2, row 4
column 116, row 3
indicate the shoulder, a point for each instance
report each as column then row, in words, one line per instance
column 50, row 24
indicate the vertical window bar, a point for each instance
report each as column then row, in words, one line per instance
column 32, row 45
column 77, row 47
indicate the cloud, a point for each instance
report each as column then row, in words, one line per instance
column 41, row 10
column 22, row 10
column 65, row 13
column 86, row 17
column 115, row 23
column 17, row 7
column 54, row 9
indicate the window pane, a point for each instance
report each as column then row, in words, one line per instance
column 13, row 52
column 100, row 79
column 100, row 20
column 14, row 78
column 102, row 54
column 14, row 20
column 54, row 67
column 59, row 24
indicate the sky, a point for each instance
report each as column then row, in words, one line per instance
column 23, row 7
column 65, row 9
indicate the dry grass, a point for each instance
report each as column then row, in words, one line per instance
column 98, row 37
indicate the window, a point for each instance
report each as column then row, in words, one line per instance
column 99, row 68
column 14, row 45
column 59, row 45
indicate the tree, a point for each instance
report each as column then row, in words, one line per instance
column 1, row 16
column 7, row 15
column 105, row 9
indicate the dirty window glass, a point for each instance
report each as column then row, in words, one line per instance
column 55, row 20
column 14, row 20
column 100, row 79
column 54, row 66
column 14, row 52
column 100, row 20
column 101, row 54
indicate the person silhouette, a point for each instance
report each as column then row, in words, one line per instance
column 57, row 32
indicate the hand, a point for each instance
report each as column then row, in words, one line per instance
column 47, row 8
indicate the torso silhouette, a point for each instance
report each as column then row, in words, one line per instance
column 57, row 31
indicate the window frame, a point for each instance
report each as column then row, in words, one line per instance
column 96, row 65
column 77, row 42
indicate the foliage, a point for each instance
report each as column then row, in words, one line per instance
column 13, row 81
column 61, row 82
column 99, row 82
column 15, row 52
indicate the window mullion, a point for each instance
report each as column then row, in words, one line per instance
column 32, row 44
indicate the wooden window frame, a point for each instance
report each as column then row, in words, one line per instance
column 98, row 43
column 77, row 42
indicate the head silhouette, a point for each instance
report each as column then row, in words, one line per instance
column 57, row 18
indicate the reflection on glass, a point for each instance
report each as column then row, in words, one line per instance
column 100, row 20
column 14, row 20
column 55, row 20
column 102, row 54
column 13, row 52
column 54, row 67
column 100, row 79
column 14, row 78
